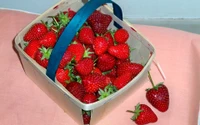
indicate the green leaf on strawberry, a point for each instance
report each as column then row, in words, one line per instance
column 108, row 90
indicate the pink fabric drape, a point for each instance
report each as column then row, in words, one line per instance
column 178, row 52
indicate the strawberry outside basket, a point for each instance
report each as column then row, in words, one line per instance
column 45, row 78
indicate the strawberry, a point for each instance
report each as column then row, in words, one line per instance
column 122, row 80
column 84, row 66
column 60, row 31
column 63, row 76
column 158, row 96
column 96, row 70
column 48, row 40
column 76, row 89
column 105, row 62
column 67, row 57
column 42, row 56
column 120, row 51
column 71, row 13
column 86, row 35
column 132, row 67
column 121, row 36
column 75, row 39
column 35, row 32
column 89, row 98
column 32, row 48
column 77, row 50
column 112, row 74
column 99, row 22
column 65, row 16
column 143, row 114
column 120, row 61
column 109, row 38
column 100, row 45
column 86, row 117
column 93, row 82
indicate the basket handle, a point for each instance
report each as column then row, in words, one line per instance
column 72, row 28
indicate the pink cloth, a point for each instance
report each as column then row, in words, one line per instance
column 178, row 52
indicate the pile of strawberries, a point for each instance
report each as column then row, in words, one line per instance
column 97, row 61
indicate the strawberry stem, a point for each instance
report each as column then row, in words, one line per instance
column 130, row 111
column 150, row 78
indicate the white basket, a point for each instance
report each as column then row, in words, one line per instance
column 144, row 53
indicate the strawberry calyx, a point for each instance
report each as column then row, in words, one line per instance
column 156, row 86
column 70, row 67
column 86, row 112
column 108, row 90
column 112, row 32
column 87, row 53
column 136, row 112
column 54, row 25
column 106, row 72
column 46, row 52
column 63, row 18
column 152, row 83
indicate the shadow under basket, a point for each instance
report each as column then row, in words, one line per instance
column 143, row 53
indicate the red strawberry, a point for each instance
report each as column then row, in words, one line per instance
column 89, row 98
column 120, row 51
column 143, row 114
column 93, row 82
column 75, row 39
column 77, row 50
column 35, row 32
column 86, row 117
column 71, row 13
column 134, row 68
column 112, row 74
column 158, row 96
column 84, row 66
column 48, row 40
column 100, row 45
column 42, row 56
column 60, row 31
column 96, row 70
column 109, row 38
column 67, row 57
column 106, row 62
column 121, row 36
column 120, row 61
column 122, row 80
column 76, row 89
column 63, row 76
column 99, row 22
column 32, row 48
column 86, row 35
